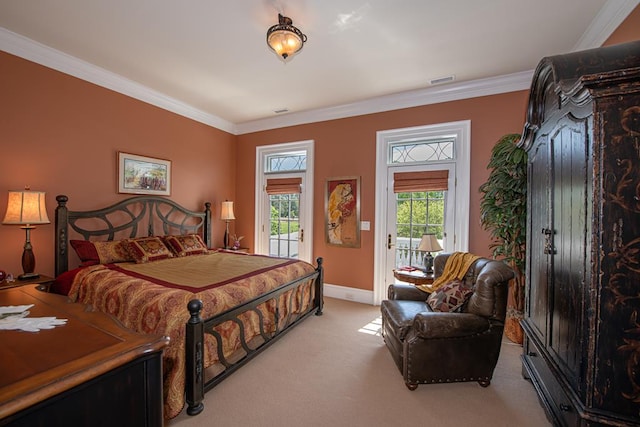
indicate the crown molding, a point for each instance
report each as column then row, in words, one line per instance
column 408, row 99
column 612, row 14
column 31, row 50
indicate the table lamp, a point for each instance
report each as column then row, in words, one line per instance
column 226, row 214
column 26, row 208
column 429, row 244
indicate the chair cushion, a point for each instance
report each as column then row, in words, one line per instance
column 450, row 297
column 399, row 315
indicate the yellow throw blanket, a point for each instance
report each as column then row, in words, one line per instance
column 455, row 268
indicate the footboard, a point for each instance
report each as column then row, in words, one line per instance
column 196, row 328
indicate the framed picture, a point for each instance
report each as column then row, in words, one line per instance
column 342, row 212
column 143, row 175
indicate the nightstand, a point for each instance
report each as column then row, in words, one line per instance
column 243, row 250
column 42, row 281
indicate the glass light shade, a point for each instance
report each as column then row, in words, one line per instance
column 285, row 39
column 429, row 243
column 226, row 214
column 25, row 208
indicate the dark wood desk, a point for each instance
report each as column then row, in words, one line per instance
column 91, row 371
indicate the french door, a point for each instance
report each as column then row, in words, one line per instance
column 402, row 214
column 284, row 196
column 410, row 214
column 285, row 229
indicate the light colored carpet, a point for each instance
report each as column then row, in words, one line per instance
column 335, row 370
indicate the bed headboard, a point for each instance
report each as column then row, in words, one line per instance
column 133, row 217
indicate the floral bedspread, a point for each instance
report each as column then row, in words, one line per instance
column 146, row 301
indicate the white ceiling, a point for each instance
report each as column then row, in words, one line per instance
column 208, row 59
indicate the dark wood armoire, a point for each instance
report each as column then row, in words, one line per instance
column 582, row 311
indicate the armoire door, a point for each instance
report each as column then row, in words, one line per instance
column 539, row 219
column 567, row 245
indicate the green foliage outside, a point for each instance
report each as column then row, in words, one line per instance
column 414, row 219
column 282, row 225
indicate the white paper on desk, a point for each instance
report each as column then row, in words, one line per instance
column 14, row 310
column 30, row 324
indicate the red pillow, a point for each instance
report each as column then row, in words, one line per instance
column 62, row 284
column 86, row 252
column 92, row 253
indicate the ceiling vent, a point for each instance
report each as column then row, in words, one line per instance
column 441, row 80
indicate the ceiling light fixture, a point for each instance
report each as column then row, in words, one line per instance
column 285, row 39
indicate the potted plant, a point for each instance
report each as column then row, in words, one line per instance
column 503, row 212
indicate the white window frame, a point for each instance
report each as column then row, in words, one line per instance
column 462, row 154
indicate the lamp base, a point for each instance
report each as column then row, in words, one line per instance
column 226, row 236
column 428, row 264
column 28, row 276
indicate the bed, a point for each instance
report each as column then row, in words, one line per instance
column 219, row 308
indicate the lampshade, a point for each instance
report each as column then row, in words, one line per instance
column 429, row 243
column 226, row 214
column 285, row 39
column 26, row 207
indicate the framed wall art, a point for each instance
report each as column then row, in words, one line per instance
column 143, row 175
column 342, row 212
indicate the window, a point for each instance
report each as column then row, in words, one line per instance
column 282, row 162
column 284, row 197
column 417, row 213
column 421, row 151
column 284, row 208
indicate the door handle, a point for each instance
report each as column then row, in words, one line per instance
column 301, row 235
column 548, row 241
column 389, row 244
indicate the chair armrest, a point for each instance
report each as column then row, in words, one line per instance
column 448, row 325
column 406, row 292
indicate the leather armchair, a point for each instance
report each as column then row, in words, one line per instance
column 439, row 347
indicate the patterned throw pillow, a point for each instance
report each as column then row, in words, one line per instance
column 146, row 249
column 185, row 245
column 449, row 297
column 92, row 253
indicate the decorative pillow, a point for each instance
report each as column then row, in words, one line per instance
column 449, row 297
column 184, row 245
column 146, row 249
column 92, row 253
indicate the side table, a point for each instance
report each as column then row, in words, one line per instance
column 42, row 281
column 241, row 250
column 417, row 277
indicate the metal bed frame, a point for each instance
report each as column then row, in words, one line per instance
column 142, row 216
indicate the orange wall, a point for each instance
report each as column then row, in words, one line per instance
column 627, row 31
column 60, row 135
column 348, row 147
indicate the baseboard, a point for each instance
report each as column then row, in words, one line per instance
column 347, row 293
